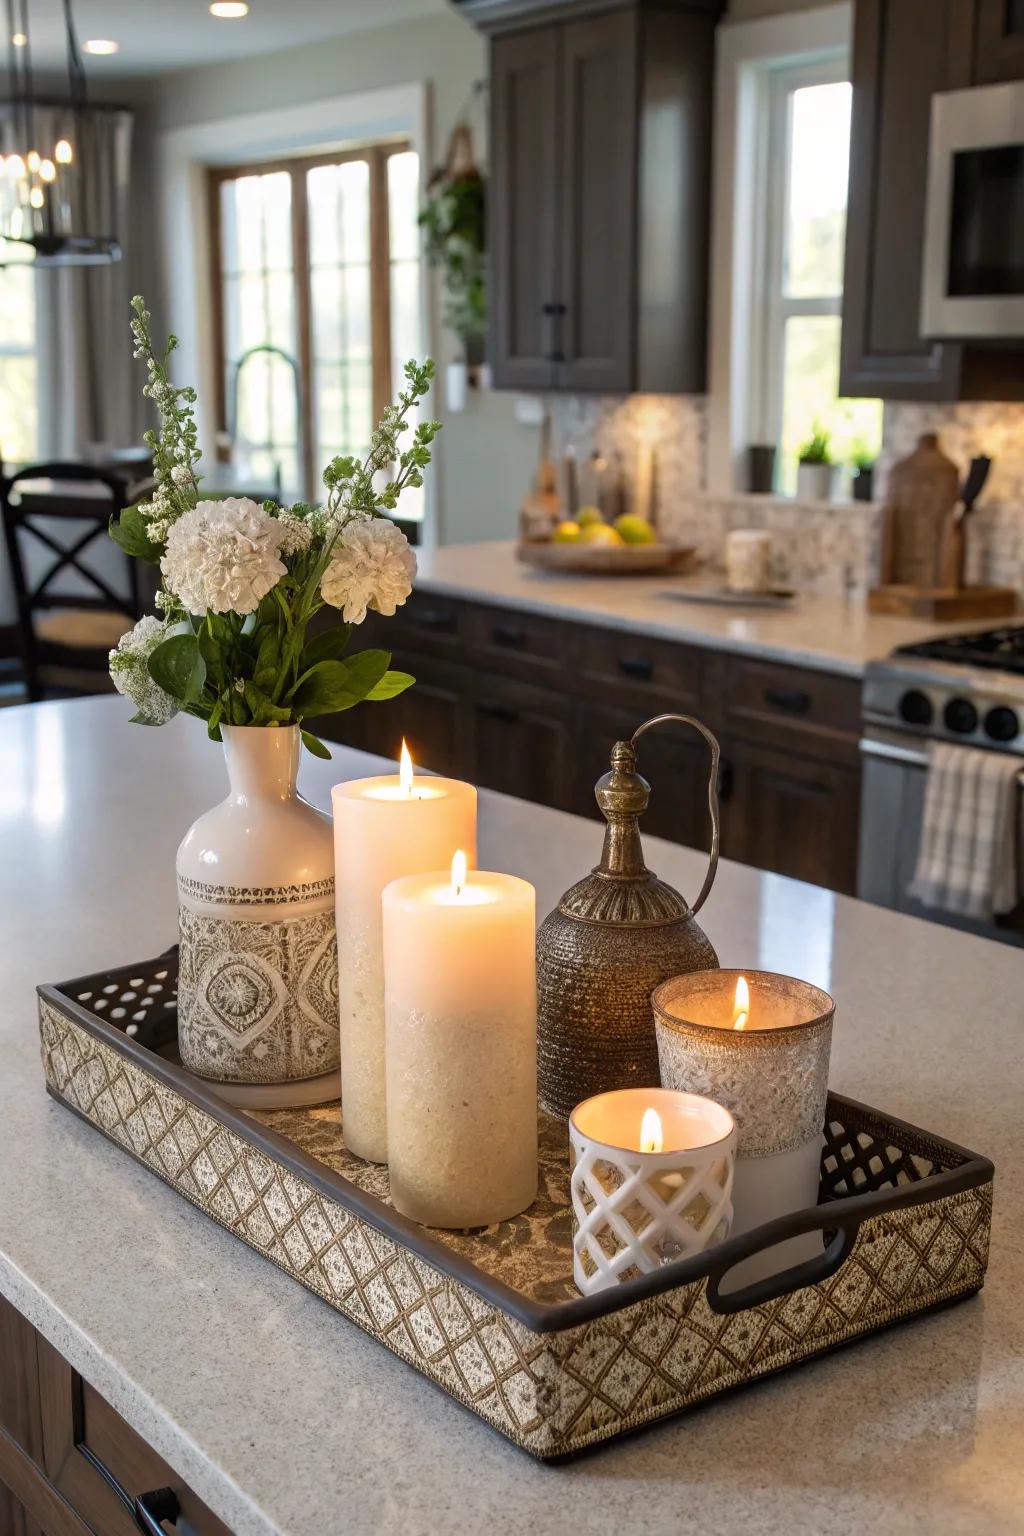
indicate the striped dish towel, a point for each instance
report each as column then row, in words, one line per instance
column 967, row 862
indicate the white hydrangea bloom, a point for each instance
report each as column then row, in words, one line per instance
column 130, row 671
column 371, row 566
column 223, row 556
column 296, row 535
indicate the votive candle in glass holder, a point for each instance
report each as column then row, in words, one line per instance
column 748, row 560
column 384, row 827
column 460, row 1008
column 652, row 1175
column 759, row 1044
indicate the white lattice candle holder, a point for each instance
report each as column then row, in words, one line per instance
column 652, row 1175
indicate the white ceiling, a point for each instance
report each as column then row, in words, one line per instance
column 161, row 35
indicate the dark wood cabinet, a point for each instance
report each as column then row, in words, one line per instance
column 531, row 705
column 1000, row 44
column 70, row 1465
column 600, row 175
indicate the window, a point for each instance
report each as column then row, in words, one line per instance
column 317, row 275
column 804, row 223
column 19, row 412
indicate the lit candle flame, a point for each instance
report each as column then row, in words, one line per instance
column 405, row 775
column 651, row 1135
column 458, row 871
column 741, row 1004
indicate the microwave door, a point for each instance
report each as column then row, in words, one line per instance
column 973, row 254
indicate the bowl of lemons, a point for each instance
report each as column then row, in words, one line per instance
column 589, row 544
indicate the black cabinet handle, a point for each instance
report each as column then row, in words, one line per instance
column 793, row 700
column 151, row 1509
column 435, row 618
column 509, row 636
column 553, row 309
column 637, row 666
column 555, row 357
column 502, row 712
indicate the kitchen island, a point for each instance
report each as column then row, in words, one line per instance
column 284, row 1418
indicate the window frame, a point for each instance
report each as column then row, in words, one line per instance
column 376, row 156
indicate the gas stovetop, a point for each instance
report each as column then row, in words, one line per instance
column 967, row 688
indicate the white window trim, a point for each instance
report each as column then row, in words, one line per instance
column 749, row 56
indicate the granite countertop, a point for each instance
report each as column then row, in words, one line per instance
column 833, row 633
column 283, row 1416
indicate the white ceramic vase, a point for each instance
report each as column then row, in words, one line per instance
column 258, row 965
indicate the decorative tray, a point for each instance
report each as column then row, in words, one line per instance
column 608, row 560
column 493, row 1317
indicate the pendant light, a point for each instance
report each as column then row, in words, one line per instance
column 42, row 186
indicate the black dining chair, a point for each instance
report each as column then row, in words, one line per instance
column 71, row 608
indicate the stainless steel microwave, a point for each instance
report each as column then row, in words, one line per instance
column 973, row 254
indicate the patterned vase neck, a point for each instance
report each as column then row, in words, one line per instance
column 262, row 761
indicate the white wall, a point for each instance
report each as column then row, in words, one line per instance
column 484, row 459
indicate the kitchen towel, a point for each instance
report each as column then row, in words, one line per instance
column 968, row 859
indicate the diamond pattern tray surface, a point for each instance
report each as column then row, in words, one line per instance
column 493, row 1317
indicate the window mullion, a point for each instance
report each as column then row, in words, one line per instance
column 380, row 282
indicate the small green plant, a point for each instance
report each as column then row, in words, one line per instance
column 861, row 456
column 454, row 223
column 816, row 449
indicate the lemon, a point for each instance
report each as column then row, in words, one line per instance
column 634, row 530
column 566, row 533
column 600, row 533
column 589, row 517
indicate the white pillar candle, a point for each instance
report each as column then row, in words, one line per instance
column 384, row 827
column 759, row 1044
column 748, row 560
column 461, row 1045
column 652, row 1174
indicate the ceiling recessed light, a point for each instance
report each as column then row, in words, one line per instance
column 229, row 10
column 100, row 45
column 19, row 39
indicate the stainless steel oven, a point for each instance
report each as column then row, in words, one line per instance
column 973, row 253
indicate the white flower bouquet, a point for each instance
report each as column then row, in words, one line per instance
column 242, row 582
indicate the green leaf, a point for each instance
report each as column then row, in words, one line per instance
column 330, row 645
column 141, row 720
column 177, row 666
column 268, row 660
column 130, row 532
column 390, row 685
column 262, row 707
column 335, row 685
column 315, row 745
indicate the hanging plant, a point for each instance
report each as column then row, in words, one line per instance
column 455, row 226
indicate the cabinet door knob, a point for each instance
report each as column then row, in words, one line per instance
column 436, row 618
column 153, row 1508
column 637, row 666
column 509, row 636
column 795, row 701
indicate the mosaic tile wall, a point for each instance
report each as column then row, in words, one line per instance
column 831, row 547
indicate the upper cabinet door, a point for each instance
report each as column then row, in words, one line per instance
column 903, row 51
column 598, row 215
column 524, row 203
column 1000, row 53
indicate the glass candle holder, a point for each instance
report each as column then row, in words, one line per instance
column 759, row 1044
column 652, row 1174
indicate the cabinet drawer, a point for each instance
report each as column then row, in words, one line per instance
column 427, row 624
column 789, row 705
column 521, row 644
column 655, row 674
column 521, row 741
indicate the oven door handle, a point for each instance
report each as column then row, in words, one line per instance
column 892, row 752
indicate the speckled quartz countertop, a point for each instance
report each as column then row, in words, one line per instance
column 836, row 634
column 285, row 1418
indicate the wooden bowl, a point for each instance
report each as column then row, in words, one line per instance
column 608, row 560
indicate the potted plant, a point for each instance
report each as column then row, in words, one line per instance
column 814, row 469
column 230, row 643
column 863, row 463
column 454, row 221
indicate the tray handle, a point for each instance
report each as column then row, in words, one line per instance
column 813, row 1271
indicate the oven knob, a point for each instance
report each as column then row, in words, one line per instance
column 1001, row 723
column 916, row 708
column 961, row 716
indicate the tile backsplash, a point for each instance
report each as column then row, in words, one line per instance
column 830, row 546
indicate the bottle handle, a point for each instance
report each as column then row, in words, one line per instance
column 716, row 752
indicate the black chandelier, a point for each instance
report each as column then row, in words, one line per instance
column 43, row 185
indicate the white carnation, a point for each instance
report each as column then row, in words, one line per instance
column 129, row 668
column 371, row 566
column 223, row 556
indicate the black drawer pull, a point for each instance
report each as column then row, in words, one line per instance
column 151, row 1509
column 435, row 618
column 555, row 357
column 553, row 309
column 637, row 666
column 793, row 700
column 503, row 712
column 508, row 636
column 725, row 780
